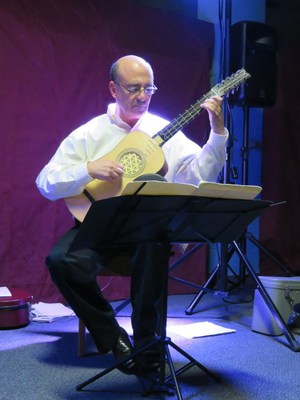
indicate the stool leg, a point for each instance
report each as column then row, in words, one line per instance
column 81, row 339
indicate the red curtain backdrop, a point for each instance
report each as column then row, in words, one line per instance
column 54, row 64
column 281, row 146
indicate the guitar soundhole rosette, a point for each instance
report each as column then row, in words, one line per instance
column 133, row 162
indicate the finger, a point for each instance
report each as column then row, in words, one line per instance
column 216, row 100
column 212, row 108
column 113, row 176
column 117, row 173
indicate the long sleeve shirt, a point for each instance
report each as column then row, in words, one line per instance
column 66, row 174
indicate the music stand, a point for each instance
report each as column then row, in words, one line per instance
column 133, row 219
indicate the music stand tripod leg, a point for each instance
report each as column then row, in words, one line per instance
column 165, row 342
column 158, row 380
column 210, row 283
column 219, row 275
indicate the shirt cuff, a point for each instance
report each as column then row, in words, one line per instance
column 82, row 175
column 216, row 139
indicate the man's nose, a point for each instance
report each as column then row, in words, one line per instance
column 142, row 95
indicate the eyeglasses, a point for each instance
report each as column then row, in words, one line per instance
column 136, row 89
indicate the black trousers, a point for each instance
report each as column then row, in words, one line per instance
column 74, row 273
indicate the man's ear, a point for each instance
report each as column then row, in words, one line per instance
column 112, row 89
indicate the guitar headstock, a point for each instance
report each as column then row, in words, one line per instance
column 233, row 82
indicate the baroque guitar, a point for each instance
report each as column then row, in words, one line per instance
column 141, row 154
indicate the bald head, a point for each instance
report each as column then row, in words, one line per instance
column 129, row 64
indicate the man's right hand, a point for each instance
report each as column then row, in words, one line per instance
column 105, row 170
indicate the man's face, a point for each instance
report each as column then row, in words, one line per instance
column 128, row 90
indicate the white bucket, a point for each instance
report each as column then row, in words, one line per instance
column 285, row 293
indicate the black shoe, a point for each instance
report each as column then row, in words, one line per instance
column 122, row 349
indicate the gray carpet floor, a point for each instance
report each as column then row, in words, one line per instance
column 40, row 362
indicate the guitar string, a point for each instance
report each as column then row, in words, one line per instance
column 178, row 123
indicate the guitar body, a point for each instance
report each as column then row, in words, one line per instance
column 139, row 154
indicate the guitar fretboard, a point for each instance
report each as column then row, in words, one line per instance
column 220, row 89
column 182, row 120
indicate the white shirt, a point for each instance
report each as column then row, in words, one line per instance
column 66, row 174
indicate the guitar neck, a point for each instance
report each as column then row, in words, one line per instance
column 220, row 89
column 183, row 119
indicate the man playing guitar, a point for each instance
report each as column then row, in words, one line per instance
column 90, row 164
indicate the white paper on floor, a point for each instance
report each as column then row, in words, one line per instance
column 5, row 292
column 48, row 312
column 199, row 329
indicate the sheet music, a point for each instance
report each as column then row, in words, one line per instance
column 205, row 189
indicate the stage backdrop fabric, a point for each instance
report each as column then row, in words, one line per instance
column 55, row 60
column 281, row 148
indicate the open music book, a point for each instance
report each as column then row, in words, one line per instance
column 205, row 189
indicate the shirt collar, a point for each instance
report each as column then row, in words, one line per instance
column 115, row 119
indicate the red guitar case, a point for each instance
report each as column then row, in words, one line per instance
column 15, row 309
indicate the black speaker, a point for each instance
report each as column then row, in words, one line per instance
column 253, row 46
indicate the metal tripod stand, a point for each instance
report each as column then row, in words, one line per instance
column 219, row 278
column 165, row 380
